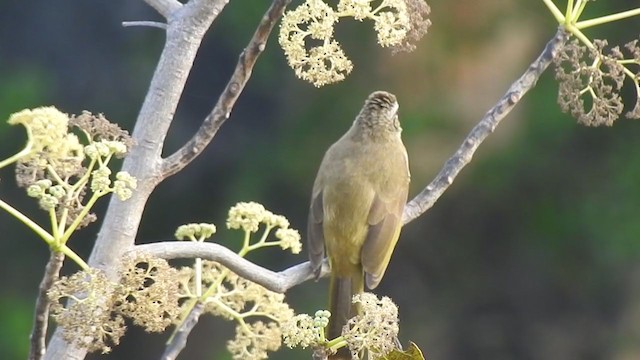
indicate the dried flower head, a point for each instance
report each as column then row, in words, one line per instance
column 88, row 320
column 590, row 82
column 234, row 298
column 634, row 51
column 57, row 154
column 419, row 24
column 99, row 129
column 398, row 23
column 149, row 293
column 236, row 293
column 252, row 341
column 375, row 329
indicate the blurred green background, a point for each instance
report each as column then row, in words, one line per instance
column 533, row 253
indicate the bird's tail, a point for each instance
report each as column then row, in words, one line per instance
column 341, row 291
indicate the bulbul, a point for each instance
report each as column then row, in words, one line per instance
column 356, row 206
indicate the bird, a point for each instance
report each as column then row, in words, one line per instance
column 355, row 212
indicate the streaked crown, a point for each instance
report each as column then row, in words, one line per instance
column 380, row 111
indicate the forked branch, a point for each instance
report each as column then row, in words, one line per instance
column 232, row 91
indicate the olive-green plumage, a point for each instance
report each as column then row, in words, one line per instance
column 356, row 206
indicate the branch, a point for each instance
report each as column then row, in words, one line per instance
column 176, row 344
column 425, row 200
column 222, row 110
column 165, row 7
column 154, row 24
column 184, row 34
column 41, row 317
column 275, row 281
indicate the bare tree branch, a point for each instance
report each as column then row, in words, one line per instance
column 41, row 318
column 165, row 7
column 425, row 200
column 155, row 24
column 186, row 29
column 227, row 99
column 177, row 343
column 274, row 281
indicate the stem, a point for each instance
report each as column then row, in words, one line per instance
column 48, row 238
column 627, row 62
column 569, row 9
column 245, row 241
column 197, row 268
column 578, row 12
column 41, row 317
column 85, row 178
column 605, row 19
column 265, row 234
column 54, row 174
column 10, row 160
column 335, row 344
column 73, row 256
column 577, row 33
column 55, row 231
column 62, row 224
column 74, row 225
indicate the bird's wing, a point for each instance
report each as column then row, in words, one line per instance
column 315, row 233
column 384, row 229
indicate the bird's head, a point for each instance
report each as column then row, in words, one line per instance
column 380, row 112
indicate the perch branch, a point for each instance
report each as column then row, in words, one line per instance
column 425, row 200
column 41, row 317
column 275, row 281
column 232, row 91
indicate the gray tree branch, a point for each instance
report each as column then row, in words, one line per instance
column 41, row 318
column 187, row 25
column 179, row 340
column 425, row 200
column 274, row 281
column 222, row 110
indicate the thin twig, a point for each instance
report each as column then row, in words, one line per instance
column 41, row 316
column 177, row 343
column 222, row 110
column 154, row 24
column 275, row 281
column 425, row 200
